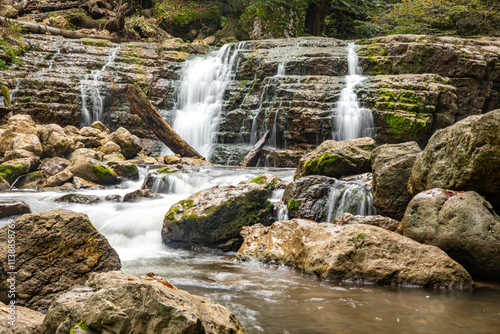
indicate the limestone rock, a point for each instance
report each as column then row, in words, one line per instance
column 62, row 242
column 79, row 198
column 54, row 165
column 110, row 148
column 129, row 144
column 22, row 124
column 171, row 159
column 269, row 181
column 27, row 321
column 353, row 252
column 13, row 208
column 139, row 194
column 85, row 153
column 391, row 165
column 126, row 170
column 121, row 303
column 214, row 217
column 379, row 221
column 464, row 156
column 93, row 170
column 80, row 183
column 54, row 140
column 59, row 179
column 337, row 158
column 195, row 162
column 99, row 126
column 11, row 170
column 464, row 225
column 26, row 142
column 32, row 181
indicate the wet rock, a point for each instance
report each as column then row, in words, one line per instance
column 93, row 170
column 139, row 194
column 99, row 126
column 143, row 160
column 464, row 156
column 130, row 144
column 353, row 252
column 110, row 148
column 214, row 217
column 85, row 153
column 59, row 179
column 121, row 303
column 126, row 170
column 113, row 198
column 62, row 242
column 27, row 142
column 79, row 199
column 462, row 224
column 54, row 165
column 337, row 158
column 11, row 170
column 14, row 208
column 195, row 162
column 33, row 180
column 27, row 321
column 54, row 140
column 281, row 158
column 391, row 165
column 113, row 158
column 171, row 159
column 269, row 181
column 80, row 183
column 379, row 221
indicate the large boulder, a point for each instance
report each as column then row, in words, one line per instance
column 27, row 142
column 54, row 140
column 377, row 220
column 78, row 198
column 130, row 144
column 55, row 250
column 85, row 153
column 120, row 303
column 215, row 216
column 337, row 158
column 93, row 170
column 54, row 165
column 140, row 194
column 13, row 208
column 465, row 156
column 26, row 321
column 391, row 165
column 462, row 224
column 354, row 252
column 12, row 169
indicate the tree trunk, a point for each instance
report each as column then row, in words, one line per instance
column 252, row 157
column 42, row 29
column 115, row 24
column 141, row 106
column 315, row 17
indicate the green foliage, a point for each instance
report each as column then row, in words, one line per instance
column 11, row 44
column 293, row 205
column 167, row 170
column 183, row 12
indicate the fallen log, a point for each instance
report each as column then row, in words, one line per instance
column 140, row 105
column 52, row 8
column 42, row 29
column 252, row 157
column 115, row 24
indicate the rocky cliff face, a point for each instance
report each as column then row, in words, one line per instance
column 415, row 85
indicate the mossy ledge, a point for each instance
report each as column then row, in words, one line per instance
column 321, row 165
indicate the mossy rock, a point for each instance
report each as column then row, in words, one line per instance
column 96, row 42
column 104, row 174
column 11, row 170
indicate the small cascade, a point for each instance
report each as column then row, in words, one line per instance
column 199, row 101
column 281, row 69
column 273, row 140
column 353, row 195
column 350, row 120
column 266, row 103
column 93, row 101
column 253, row 133
column 280, row 211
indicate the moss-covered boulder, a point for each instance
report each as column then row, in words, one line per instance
column 269, row 181
column 338, row 158
column 11, row 170
column 214, row 217
column 93, row 170
column 465, row 156
column 125, row 170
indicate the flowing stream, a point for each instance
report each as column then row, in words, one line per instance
column 352, row 121
column 270, row 299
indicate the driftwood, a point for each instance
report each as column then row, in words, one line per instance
column 140, row 105
column 115, row 24
column 252, row 157
column 42, row 29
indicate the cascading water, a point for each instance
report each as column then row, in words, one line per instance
column 353, row 196
column 91, row 89
column 199, row 101
column 350, row 120
column 281, row 69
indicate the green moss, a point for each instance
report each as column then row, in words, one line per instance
column 257, row 180
column 102, row 172
column 129, row 171
column 167, row 170
column 100, row 251
column 96, row 42
column 322, row 165
column 361, row 236
column 293, row 205
column 171, row 215
column 395, row 123
column 10, row 172
column 90, row 224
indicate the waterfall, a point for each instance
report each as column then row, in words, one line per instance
column 281, row 69
column 354, row 196
column 199, row 102
column 351, row 121
column 91, row 89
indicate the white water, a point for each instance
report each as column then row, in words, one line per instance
column 281, row 69
column 199, row 102
column 352, row 121
column 91, row 85
column 351, row 196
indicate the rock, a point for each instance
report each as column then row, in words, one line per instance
column 121, row 303
column 8, row 11
column 22, row 124
column 113, row 198
column 56, row 22
column 33, row 180
column 280, row 158
column 268, row 181
column 99, row 126
column 21, row 154
column 87, row 131
column 62, row 242
column 11, row 170
column 114, row 158
column 59, row 179
column 54, row 140
column 85, row 153
column 14, row 208
column 463, row 224
column 26, row 142
column 27, row 321
column 80, row 183
column 126, row 170
column 209, row 40
column 353, row 252
column 110, row 148
column 391, row 165
column 464, row 156
column 93, row 170
column 195, row 162
column 143, row 160
column 54, row 165
column 71, row 130
column 337, row 158
column 79, row 199
column 129, row 144
column 171, row 159
column 214, row 217
column 379, row 221
column 138, row 194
